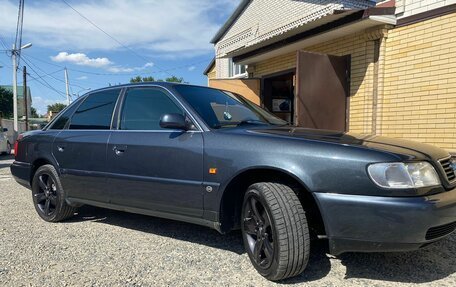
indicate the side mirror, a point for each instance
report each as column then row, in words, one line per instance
column 174, row 121
column 5, row 130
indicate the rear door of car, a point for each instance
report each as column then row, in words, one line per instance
column 150, row 167
column 80, row 148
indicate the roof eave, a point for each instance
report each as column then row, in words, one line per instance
column 383, row 15
column 209, row 67
column 240, row 8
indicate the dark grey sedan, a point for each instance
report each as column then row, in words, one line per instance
column 210, row 157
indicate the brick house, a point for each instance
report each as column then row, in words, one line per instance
column 386, row 68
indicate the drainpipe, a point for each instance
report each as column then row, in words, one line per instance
column 375, row 86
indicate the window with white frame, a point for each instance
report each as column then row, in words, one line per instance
column 236, row 70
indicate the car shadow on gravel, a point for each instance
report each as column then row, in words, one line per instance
column 163, row 227
column 319, row 263
column 434, row 262
column 429, row 264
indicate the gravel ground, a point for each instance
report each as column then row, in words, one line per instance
column 99, row 247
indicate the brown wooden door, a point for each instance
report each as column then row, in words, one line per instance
column 322, row 91
column 248, row 88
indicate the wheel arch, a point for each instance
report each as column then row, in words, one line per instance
column 37, row 163
column 233, row 193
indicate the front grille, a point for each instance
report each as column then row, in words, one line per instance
column 439, row 231
column 448, row 169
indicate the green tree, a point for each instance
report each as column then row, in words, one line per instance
column 148, row 79
column 136, row 79
column 174, row 79
column 139, row 79
column 57, row 107
column 33, row 113
column 6, row 103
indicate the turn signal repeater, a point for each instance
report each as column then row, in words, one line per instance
column 212, row 170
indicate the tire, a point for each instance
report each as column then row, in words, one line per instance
column 275, row 231
column 48, row 196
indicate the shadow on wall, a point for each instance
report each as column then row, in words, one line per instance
column 429, row 264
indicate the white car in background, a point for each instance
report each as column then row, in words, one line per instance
column 5, row 145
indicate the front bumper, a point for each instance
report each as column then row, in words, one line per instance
column 21, row 172
column 356, row 223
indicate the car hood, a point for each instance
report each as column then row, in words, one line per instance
column 405, row 148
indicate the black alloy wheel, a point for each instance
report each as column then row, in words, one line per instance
column 275, row 231
column 258, row 231
column 48, row 195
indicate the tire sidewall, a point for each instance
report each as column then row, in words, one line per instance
column 266, row 272
column 50, row 171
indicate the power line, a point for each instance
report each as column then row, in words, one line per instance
column 46, row 85
column 50, row 74
column 42, row 81
column 107, row 34
column 3, row 43
column 46, row 75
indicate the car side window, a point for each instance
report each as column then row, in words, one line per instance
column 95, row 113
column 62, row 119
column 143, row 108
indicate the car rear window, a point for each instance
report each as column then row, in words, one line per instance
column 95, row 113
column 64, row 116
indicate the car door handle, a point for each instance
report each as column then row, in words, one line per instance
column 118, row 150
column 60, row 148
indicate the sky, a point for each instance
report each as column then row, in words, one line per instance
column 104, row 42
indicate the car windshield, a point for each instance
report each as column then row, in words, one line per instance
column 221, row 109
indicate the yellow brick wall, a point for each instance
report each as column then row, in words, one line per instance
column 416, row 80
column 361, row 87
column 212, row 74
column 419, row 98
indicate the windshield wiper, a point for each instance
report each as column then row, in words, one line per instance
column 251, row 122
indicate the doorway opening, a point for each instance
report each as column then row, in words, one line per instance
column 278, row 95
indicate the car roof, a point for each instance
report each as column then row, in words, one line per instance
column 142, row 84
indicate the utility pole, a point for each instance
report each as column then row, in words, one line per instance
column 67, row 86
column 25, row 99
column 15, row 124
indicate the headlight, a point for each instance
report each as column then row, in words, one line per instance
column 403, row 175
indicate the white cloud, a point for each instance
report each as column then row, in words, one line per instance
column 120, row 69
column 159, row 28
column 82, row 78
column 191, row 68
column 81, row 59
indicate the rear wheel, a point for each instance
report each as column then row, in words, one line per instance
column 48, row 196
column 275, row 231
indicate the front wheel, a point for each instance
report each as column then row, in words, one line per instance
column 48, row 195
column 274, row 229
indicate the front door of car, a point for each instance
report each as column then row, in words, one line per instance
column 150, row 167
column 80, row 148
